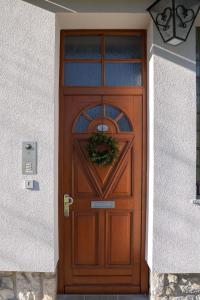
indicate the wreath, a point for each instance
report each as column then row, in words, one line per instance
column 102, row 149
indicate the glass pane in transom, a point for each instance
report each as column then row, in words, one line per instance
column 82, row 74
column 123, row 47
column 82, row 47
column 123, row 74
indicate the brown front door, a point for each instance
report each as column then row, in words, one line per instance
column 101, row 242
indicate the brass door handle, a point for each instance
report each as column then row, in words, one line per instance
column 67, row 202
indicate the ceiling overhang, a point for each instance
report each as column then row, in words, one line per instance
column 54, row 6
column 123, row 6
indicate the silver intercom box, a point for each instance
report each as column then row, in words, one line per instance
column 29, row 158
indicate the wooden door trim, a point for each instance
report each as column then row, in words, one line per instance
column 60, row 270
column 102, row 91
column 144, row 266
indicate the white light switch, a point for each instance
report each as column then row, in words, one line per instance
column 29, row 184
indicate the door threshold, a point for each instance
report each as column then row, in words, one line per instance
column 103, row 297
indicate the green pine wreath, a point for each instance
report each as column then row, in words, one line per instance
column 106, row 156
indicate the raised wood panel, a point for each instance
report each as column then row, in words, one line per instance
column 102, row 289
column 119, row 238
column 103, row 271
column 103, row 280
column 102, row 173
column 85, row 235
column 123, row 187
column 82, row 185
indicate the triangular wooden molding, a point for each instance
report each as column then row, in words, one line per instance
column 103, row 186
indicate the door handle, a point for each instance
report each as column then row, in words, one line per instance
column 67, row 202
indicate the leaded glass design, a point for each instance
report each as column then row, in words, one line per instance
column 102, row 112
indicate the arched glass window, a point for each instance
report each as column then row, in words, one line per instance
column 106, row 111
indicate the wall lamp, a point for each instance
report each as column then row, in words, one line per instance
column 174, row 18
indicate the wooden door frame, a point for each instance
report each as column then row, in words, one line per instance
column 144, row 268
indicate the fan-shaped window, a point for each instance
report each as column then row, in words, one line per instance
column 95, row 112
column 106, row 111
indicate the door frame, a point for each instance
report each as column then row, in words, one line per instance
column 144, row 268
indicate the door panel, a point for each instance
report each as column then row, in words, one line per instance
column 82, row 185
column 119, row 237
column 123, row 187
column 85, row 238
column 105, row 244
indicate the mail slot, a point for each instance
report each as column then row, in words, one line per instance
column 102, row 204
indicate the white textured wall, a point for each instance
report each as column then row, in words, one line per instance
column 29, row 64
column 150, row 157
column 28, row 219
column 56, row 136
column 174, row 221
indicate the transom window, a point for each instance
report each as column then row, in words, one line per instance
column 100, row 112
column 104, row 60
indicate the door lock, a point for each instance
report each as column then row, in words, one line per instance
column 67, row 202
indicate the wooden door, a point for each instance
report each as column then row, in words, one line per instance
column 102, row 249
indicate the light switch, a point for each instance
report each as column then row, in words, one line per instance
column 29, row 184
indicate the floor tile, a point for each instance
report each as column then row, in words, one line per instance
column 133, row 297
column 70, row 297
column 101, row 297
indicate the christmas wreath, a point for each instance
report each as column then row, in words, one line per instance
column 102, row 149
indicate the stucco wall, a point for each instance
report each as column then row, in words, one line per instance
column 150, row 157
column 29, row 64
column 29, row 80
column 28, row 225
column 173, row 223
column 56, row 136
